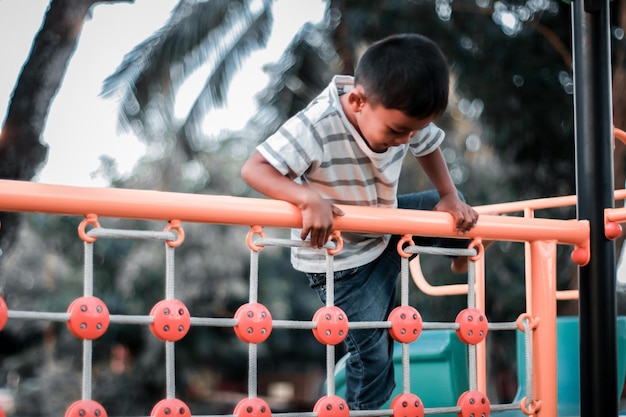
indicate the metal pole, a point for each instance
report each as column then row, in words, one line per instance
column 594, row 182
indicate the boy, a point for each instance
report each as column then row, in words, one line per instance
column 347, row 147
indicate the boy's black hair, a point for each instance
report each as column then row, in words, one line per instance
column 407, row 72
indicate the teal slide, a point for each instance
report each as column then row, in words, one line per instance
column 439, row 368
column 568, row 366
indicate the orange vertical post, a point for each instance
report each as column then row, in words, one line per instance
column 542, row 290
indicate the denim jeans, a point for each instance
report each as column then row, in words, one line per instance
column 368, row 293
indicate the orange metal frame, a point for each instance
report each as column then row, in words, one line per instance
column 540, row 236
column 20, row 196
column 541, row 293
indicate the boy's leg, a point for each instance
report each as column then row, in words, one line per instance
column 427, row 200
column 366, row 294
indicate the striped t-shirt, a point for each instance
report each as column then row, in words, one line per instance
column 320, row 147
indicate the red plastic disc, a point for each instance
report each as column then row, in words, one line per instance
column 407, row 405
column 170, row 407
column 474, row 404
column 473, row 326
column 252, row 407
column 332, row 325
column 89, row 318
column 86, row 408
column 171, row 320
column 406, row 324
column 4, row 314
column 254, row 323
column 331, row 406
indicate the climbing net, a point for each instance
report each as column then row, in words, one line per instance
column 88, row 318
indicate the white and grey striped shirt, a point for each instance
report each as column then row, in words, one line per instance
column 320, row 147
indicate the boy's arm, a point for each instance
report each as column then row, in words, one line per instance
column 317, row 213
column 434, row 165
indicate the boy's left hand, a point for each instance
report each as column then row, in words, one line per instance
column 465, row 217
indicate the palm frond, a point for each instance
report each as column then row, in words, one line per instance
column 247, row 32
column 148, row 69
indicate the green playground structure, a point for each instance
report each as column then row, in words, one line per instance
column 439, row 368
column 568, row 369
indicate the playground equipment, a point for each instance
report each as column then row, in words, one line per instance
column 441, row 355
column 568, row 370
column 88, row 318
column 590, row 236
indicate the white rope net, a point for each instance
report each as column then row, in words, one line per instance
column 88, row 318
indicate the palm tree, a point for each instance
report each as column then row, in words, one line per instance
column 21, row 150
column 219, row 32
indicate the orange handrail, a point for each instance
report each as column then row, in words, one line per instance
column 435, row 290
column 20, row 196
column 540, row 235
column 539, row 204
column 620, row 135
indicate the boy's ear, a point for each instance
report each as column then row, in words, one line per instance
column 356, row 99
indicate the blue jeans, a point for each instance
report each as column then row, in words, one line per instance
column 368, row 293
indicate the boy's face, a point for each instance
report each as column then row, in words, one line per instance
column 381, row 127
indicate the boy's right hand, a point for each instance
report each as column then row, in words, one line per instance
column 318, row 216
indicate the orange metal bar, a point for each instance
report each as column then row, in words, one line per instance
column 435, row 290
column 620, row 135
column 24, row 196
column 617, row 215
column 536, row 204
column 543, row 288
column 567, row 295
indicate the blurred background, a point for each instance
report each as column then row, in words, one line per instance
column 174, row 95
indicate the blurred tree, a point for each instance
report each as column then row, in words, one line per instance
column 21, row 150
column 220, row 33
column 528, row 39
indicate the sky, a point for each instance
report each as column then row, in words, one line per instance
column 82, row 126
